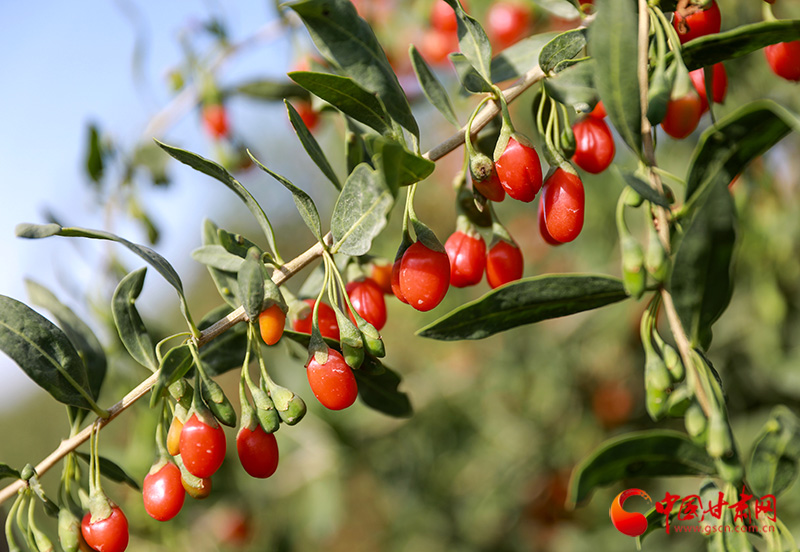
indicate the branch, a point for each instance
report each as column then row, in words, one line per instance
column 279, row 277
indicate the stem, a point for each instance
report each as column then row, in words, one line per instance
column 468, row 129
column 678, row 332
column 280, row 275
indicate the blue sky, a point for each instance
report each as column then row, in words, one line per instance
column 66, row 64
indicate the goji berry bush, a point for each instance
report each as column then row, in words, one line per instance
column 614, row 168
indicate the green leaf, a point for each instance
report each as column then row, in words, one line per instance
column 94, row 155
column 225, row 281
column 380, row 391
column 311, row 146
column 560, row 8
column 653, row 453
column 217, row 172
column 175, row 364
column 431, row 87
column 36, row 231
column 78, row 332
column 361, row 211
column 643, row 188
column 111, row 470
column 565, row 46
column 700, row 283
column 8, row 471
column 251, row 286
column 473, row 42
column 773, row 465
column 613, row 43
column 347, row 96
column 347, row 41
column 725, row 149
column 354, row 149
column 305, row 205
column 130, row 326
column 708, row 50
column 151, row 257
column 574, row 86
column 267, row 90
column 43, row 352
column 471, row 80
column 399, row 166
column 526, row 301
column 519, row 58
column 218, row 257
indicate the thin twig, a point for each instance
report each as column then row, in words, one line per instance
column 288, row 270
column 486, row 114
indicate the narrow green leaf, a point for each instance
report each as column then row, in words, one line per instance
column 111, row 470
column 151, row 257
column 519, row 58
column 94, row 155
column 217, row 172
column 613, row 43
column 8, row 471
column 44, row 353
column 225, row 281
column 251, row 286
column 432, row 88
column 574, row 86
column 526, row 301
column 354, row 149
column 565, row 46
column 473, row 42
column 346, row 95
column 708, row 50
column 305, row 205
column 380, row 391
column 361, row 211
column 236, row 244
column 36, row 231
column 311, row 146
column 701, row 274
column 725, row 149
column 267, row 90
column 399, row 166
column 130, row 326
column 175, row 364
column 471, row 80
column 773, row 465
column 560, row 8
column 643, row 188
column 218, row 257
column 653, row 453
column 78, row 332
column 348, row 42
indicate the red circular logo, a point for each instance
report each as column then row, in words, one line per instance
column 632, row 524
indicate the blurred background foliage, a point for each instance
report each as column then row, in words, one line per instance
column 484, row 463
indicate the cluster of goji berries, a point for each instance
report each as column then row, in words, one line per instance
column 197, row 443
